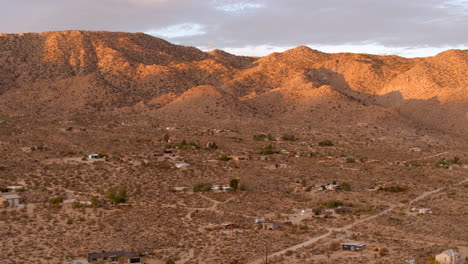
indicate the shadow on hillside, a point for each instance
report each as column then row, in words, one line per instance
column 430, row 112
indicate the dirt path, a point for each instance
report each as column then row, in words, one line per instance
column 349, row 226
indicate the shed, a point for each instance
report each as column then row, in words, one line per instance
column 449, row 257
column 115, row 256
column 269, row 225
column 12, row 199
column 353, row 246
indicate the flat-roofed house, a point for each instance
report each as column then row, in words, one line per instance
column 449, row 257
column 12, row 199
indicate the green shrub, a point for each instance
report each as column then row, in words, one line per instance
column 234, row 184
column 289, row 137
column 57, row 200
column 332, row 203
column 262, row 137
column 224, row 158
column 346, row 186
column 116, row 197
column 350, row 160
column 414, row 164
column 268, row 150
column 202, row 187
column 443, row 163
column 325, row 143
column 395, row 188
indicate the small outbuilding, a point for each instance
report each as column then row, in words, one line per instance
column 270, row 225
column 12, row 199
column 353, row 246
column 449, row 257
column 114, row 257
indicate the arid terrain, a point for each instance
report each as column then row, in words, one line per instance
column 391, row 131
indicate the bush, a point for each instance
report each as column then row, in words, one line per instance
column 268, row 150
column 212, row 145
column 395, row 188
column 116, row 197
column 245, row 187
column 350, row 160
column 234, row 184
column 332, row 203
column 102, row 155
column 57, row 200
column 334, row 246
column 202, row 187
column 443, row 163
column 456, row 160
column 414, row 164
column 326, row 143
column 224, row 158
column 346, row 186
column 262, row 137
column 289, row 137
column 170, row 261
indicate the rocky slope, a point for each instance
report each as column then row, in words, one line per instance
column 82, row 71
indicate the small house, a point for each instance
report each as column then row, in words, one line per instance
column 17, row 188
column 182, row 165
column 12, row 199
column 330, row 187
column 449, row 257
column 281, row 166
column 114, row 257
column 269, row 225
column 353, row 246
column 262, row 220
column 263, row 158
column 94, row 156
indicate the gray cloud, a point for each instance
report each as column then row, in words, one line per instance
column 236, row 24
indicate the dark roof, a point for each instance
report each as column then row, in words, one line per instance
column 103, row 254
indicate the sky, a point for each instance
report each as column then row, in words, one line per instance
column 409, row 28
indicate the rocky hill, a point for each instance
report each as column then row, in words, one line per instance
column 84, row 71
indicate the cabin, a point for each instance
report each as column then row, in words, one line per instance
column 114, row 257
column 353, row 246
column 449, row 257
column 269, row 225
column 12, row 199
column 94, row 156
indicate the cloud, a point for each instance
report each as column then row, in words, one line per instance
column 179, row 31
column 236, row 6
column 256, row 24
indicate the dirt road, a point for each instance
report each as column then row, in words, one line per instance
column 349, row 226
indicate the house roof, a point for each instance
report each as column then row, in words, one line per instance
column 450, row 252
column 10, row 196
column 354, row 244
column 129, row 254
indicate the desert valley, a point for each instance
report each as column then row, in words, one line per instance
column 160, row 153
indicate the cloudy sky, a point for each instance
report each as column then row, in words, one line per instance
column 258, row 27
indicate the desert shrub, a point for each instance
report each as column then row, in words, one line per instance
column 69, row 129
column 317, row 210
column 346, row 186
column 224, row 158
column 56, row 200
column 395, row 188
column 383, row 252
column 202, row 187
column 268, row 150
column 262, row 137
column 102, row 155
column 303, row 183
column 234, row 184
column 170, row 261
column 443, row 163
column 289, row 137
column 334, row 246
column 308, row 189
column 325, row 143
column 245, row 187
column 456, row 160
column 414, row 164
column 363, row 159
column 289, row 253
column 187, row 144
column 212, row 145
column 350, row 160
column 116, row 197
column 332, row 203
column 77, row 205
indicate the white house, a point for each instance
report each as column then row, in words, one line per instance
column 449, row 257
column 12, row 199
column 424, row 211
column 94, row 156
